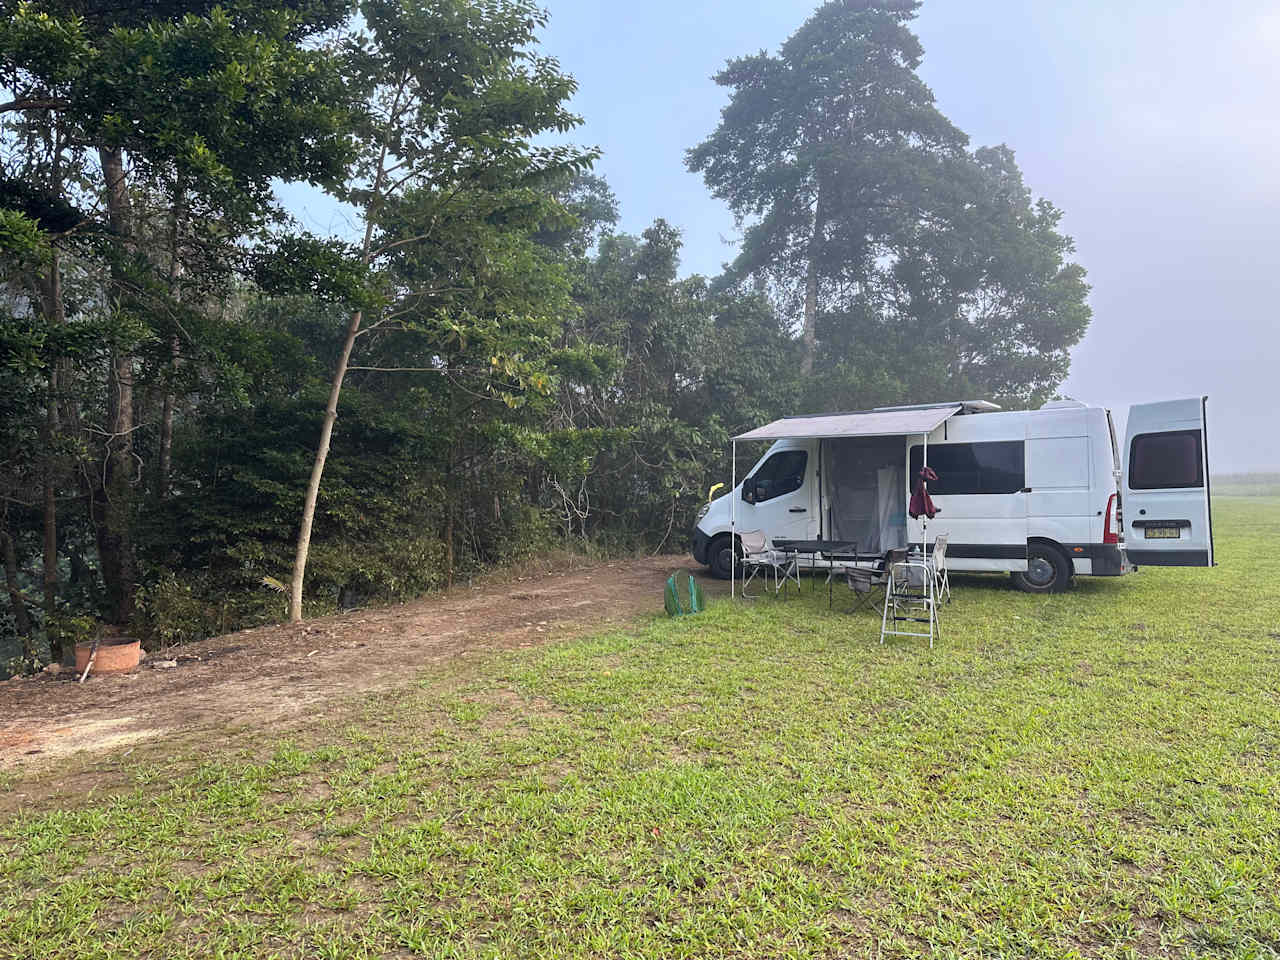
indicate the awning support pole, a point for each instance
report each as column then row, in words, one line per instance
column 924, row 520
column 733, row 526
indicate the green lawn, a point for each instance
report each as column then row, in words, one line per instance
column 1095, row 774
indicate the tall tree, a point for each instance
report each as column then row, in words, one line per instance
column 456, row 95
column 818, row 152
column 864, row 212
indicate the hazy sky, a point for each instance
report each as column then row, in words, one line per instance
column 1152, row 124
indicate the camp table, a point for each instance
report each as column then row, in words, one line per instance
column 828, row 549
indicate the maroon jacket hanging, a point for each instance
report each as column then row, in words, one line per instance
column 921, row 502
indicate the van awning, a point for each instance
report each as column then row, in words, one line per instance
column 897, row 422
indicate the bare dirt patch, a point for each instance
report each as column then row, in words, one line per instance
column 269, row 675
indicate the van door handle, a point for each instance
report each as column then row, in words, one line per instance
column 798, row 510
column 1027, row 490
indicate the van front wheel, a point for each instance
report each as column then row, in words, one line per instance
column 720, row 557
column 1048, row 571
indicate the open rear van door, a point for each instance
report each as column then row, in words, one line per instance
column 1166, row 485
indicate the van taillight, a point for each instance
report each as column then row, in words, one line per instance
column 1110, row 529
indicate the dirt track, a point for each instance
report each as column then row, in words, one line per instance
column 268, row 675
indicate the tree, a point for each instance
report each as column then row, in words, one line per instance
column 990, row 288
column 455, row 96
column 203, row 104
column 658, row 370
column 864, row 211
column 819, row 149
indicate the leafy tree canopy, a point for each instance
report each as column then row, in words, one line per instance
column 915, row 263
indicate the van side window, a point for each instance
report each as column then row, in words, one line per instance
column 969, row 469
column 781, row 474
column 1166, row 461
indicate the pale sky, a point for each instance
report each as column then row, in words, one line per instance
column 1153, row 125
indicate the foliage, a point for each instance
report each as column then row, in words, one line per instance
column 664, row 368
column 23, row 663
column 20, row 236
column 173, row 611
column 446, row 184
column 923, row 271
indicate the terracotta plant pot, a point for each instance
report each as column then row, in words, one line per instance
column 115, row 655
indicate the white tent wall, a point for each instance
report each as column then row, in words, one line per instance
column 893, row 511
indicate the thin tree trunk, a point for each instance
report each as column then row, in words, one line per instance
column 340, row 374
column 810, row 333
column 55, row 311
column 448, row 547
column 166, row 429
column 451, row 490
column 114, row 513
column 175, row 350
column 21, row 616
column 810, row 336
column 59, row 378
column 317, row 470
column 50, row 516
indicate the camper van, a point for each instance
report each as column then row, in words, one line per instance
column 1045, row 495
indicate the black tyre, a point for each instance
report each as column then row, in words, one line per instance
column 720, row 558
column 1048, row 570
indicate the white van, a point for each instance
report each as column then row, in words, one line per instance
column 1044, row 494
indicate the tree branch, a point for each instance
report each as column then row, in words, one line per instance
column 397, row 369
column 34, row 103
column 388, row 247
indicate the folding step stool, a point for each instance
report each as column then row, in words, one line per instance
column 911, row 598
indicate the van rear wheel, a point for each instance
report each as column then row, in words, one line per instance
column 1048, row 571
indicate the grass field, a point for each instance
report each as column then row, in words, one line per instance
column 1095, row 774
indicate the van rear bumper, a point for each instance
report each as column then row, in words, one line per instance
column 1107, row 559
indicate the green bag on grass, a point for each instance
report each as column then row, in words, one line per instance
column 679, row 607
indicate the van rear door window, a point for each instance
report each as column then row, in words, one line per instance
column 970, row 469
column 1167, row 461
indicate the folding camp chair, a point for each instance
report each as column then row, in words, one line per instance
column 938, row 560
column 759, row 559
column 868, row 583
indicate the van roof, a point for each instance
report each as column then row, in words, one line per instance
column 966, row 406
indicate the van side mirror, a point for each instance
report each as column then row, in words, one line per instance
column 749, row 490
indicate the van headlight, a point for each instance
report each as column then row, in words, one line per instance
column 702, row 512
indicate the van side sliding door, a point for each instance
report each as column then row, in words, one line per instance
column 1167, row 511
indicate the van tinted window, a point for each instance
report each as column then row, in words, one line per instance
column 973, row 468
column 781, row 474
column 1166, row 461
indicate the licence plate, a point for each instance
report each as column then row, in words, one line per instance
column 1164, row 533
